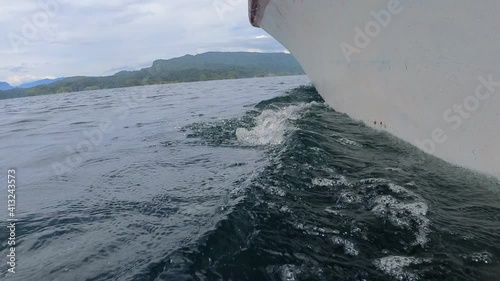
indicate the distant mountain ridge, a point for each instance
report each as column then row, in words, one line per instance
column 5, row 86
column 38, row 83
column 189, row 68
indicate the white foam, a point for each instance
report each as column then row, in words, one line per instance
column 350, row 197
column 394, row 266
column 349, row 247
column 315, row 230
column 322, row 182
column 404, row 215
column 339, row 181
column 289, row 273
column 407, row 211
column 391, row 169
column 401, row 190
column 373, row 180
column 333, row 211
column 276, row 191
column 285, row 209
column 348, row 142
column 482, row 257
column 271, row 126
column 273, row 190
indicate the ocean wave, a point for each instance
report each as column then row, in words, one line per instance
column 271, row 126
column 396, row 267
column 338, row 201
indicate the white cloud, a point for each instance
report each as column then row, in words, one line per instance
column 93, row 37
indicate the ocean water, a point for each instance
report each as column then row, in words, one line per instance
column 252, row 179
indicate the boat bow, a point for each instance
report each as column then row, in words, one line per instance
column 425, row 71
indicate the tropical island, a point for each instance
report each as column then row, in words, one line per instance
column 189, row 68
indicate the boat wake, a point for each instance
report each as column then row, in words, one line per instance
column 336, row 200
column 271, row 126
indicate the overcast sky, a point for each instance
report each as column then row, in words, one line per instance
column 61, row 38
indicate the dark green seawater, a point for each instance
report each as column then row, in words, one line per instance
column 253, row 179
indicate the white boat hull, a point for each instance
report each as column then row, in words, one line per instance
column 426, row 71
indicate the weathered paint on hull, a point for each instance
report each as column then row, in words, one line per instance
column 426, row 71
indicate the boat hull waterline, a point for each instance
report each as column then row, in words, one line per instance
column 426, row 71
